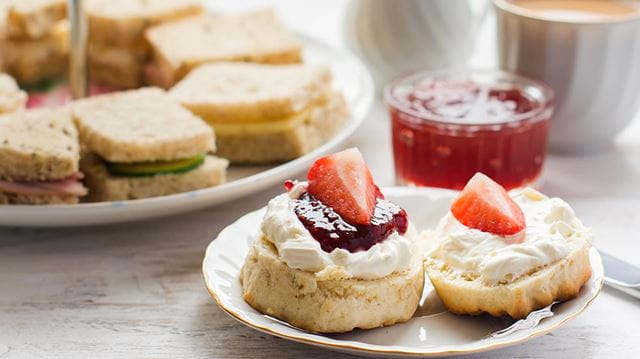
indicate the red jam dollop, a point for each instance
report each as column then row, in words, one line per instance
column 446, row 130
column 331, row 231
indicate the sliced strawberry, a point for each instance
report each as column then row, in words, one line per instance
column 485, row 205
column 343, row 182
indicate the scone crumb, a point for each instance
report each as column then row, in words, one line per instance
column 332, row 273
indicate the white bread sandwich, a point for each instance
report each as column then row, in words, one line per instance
column 142, row 143
column 116, row 67
column 118, row 51
column 39, row 154
column 180, row 46
column 4, row 14
column 122, row 23
column 507, row 254
column 31, row 61
column 33, row 19
column 11, row 97
column 264, row 113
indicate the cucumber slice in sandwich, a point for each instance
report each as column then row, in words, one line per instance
column 142, row 169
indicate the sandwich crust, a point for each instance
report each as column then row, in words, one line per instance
column 105, row 187
column 34, row 19
column 180, row 46
column 31, row 61
column 119, row 67
column 321, row 123
column 559, row 281
column 14, row 198
column 38, row 145
column 11, row 97
column 327, row 305
column 140, row 125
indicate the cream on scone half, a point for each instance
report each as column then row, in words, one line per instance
column 317, row 284
column 476, row 272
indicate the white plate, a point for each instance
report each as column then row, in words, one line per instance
column 350, row 76
column 431, row 332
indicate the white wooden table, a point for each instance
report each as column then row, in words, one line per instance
column 135, row 290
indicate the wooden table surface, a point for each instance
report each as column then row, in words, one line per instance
column 135, row 290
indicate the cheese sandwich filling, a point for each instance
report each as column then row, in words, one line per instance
column 265, row 127
column 552, row 226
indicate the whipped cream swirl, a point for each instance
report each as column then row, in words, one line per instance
column 297, row 247
column 551, row 227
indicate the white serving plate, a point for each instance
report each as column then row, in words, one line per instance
column 433, row 331
column 350, row 76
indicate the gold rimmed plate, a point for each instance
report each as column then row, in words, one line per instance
column 433, row 331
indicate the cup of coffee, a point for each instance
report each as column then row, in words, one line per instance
column 588, row 51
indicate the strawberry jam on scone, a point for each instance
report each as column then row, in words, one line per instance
column 507, row 253
column 333, row 254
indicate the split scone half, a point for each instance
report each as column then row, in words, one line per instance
column 475, row 271
column 141, row 143
column 264, row 113
column 317, row 270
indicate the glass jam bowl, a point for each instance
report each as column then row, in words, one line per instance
column 446, row 126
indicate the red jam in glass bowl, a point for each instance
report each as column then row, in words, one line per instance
column 446, row 126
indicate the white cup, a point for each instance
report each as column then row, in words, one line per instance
column 593, row 65
column 403, row 36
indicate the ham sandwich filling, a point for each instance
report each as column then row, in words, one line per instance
column 66, row 186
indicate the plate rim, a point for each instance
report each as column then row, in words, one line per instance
column 225, row 192
column 395, row 352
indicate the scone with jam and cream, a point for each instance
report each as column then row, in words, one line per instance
column 507, row 254
column 333, row 255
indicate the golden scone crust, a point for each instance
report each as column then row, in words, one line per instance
column 307, row 301
column 559, row 281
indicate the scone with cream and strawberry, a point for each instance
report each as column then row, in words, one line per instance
column 507, row 254
column 333, row 255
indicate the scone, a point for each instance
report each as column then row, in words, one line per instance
column 507, row 254
column 333, row 255
column 264, row 113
